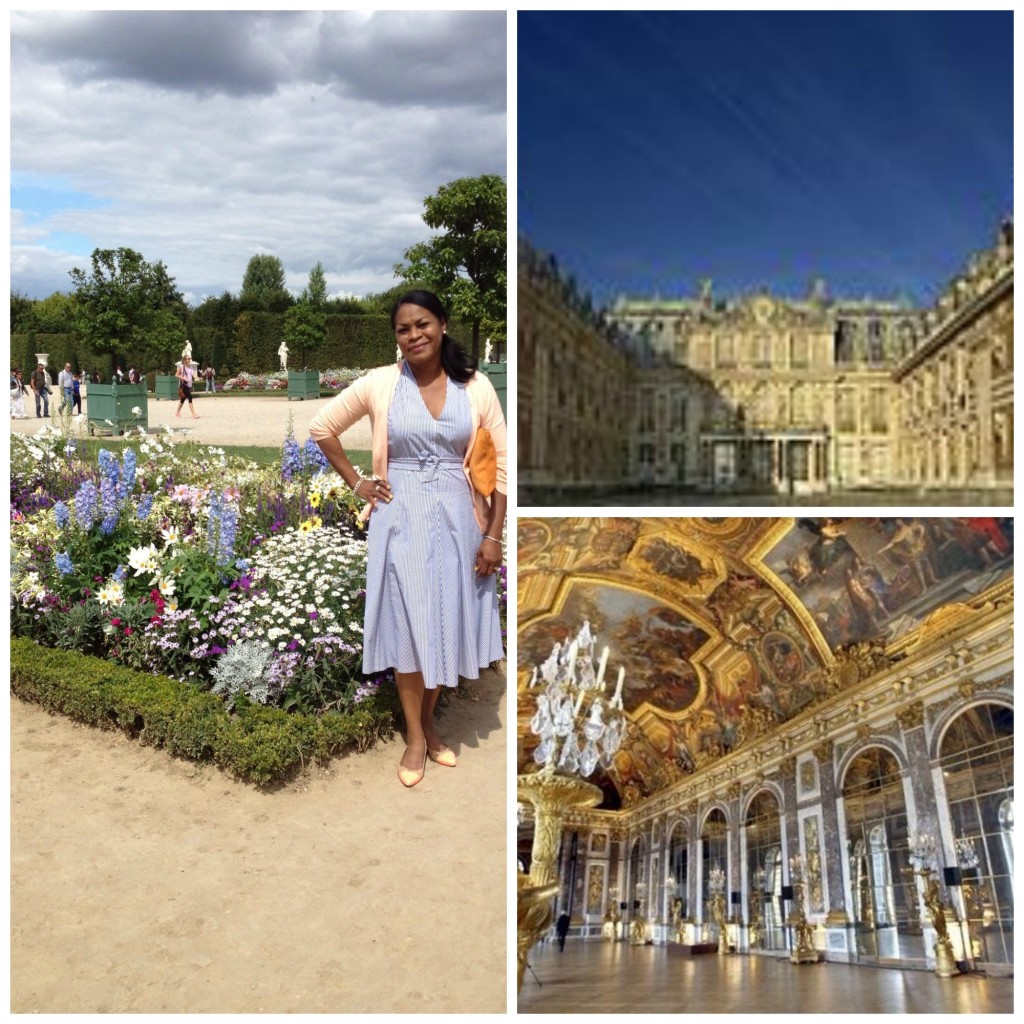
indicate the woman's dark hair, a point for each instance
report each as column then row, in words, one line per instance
column 454, row 360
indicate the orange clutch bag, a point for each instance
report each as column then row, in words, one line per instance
column 483, row 464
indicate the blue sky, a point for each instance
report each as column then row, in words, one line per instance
column 874, row 149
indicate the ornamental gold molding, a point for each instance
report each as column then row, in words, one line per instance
column 911, row 717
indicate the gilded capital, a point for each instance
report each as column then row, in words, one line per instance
column 911, row 716
column 824, row 751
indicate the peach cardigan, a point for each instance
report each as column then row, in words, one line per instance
column 371, row 396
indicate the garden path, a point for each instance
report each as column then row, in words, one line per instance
column 231, row 419
column 145, row 884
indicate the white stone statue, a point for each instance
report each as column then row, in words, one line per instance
column 488, row 352
column 187, row 350
column 283, row 353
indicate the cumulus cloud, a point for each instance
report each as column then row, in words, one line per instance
column 201, row 138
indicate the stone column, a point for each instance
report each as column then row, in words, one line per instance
column 787, row 779
column 735, row 862
column 693, row 864
column 565, row 871
column 833, row 841
column 911, row 721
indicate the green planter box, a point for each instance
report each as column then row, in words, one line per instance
column 166, row 387
column 303, row 384
column 498, row 374
column 109, row 407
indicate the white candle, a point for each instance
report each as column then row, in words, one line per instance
column 600, row 668
column 617, row 699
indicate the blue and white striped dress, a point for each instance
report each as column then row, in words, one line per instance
column 426, row 610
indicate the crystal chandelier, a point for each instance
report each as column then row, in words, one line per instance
column 573, row 706
column 716, row 880
column 966, row 855
column 924, row 848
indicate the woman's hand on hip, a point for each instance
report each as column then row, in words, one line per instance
column 488, row 557
column 372, row 490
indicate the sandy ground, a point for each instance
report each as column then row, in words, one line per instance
column 228, row 420
column 140, row 883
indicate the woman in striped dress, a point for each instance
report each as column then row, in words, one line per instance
column 434, row 542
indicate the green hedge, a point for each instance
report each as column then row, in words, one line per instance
column 258, row 744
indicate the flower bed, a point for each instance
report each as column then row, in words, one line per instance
column 239, row 582
column 330, row 380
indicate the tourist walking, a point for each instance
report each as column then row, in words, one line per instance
column 66, row 384
column 18, row 396
column 41, row 389
column 562, row 929
column 436, row 507
column 76, row 390
column 210, row 376
column 186, row 377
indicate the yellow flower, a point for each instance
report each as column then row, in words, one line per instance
column 311, row 524
column 314, row 499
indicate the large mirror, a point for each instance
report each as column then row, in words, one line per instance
column 763, row 832
column 883, row 887
column 976, row 755
column 714, row 841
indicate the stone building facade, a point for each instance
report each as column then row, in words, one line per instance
column 760, row 393
column 956, row 385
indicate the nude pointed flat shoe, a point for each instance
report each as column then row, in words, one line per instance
column 444, row 757
column 408, row 777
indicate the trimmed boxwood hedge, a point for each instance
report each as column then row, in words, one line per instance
column 258, row 744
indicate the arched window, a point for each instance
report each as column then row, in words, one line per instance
column 882, row 883
column 976, row 756
column 763, row 831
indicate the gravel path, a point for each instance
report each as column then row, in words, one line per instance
column 145, row 884
column 230, row 419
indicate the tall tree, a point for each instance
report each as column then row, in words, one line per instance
column 465, row 265
column 305, row 329
column 316, row 293
column 263, row 286
column 127, row 305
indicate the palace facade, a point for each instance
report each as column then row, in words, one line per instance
column 761, row 393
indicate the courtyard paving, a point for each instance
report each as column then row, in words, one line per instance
column 225, row 420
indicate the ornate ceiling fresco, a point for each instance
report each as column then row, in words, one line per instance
column 728, row 627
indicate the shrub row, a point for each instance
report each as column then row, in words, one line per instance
column 258, row 744
column 352, row 339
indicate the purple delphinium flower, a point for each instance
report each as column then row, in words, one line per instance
column 62, row 514
column 291, row 459
column 228, row 529
column 127, row 482
column 64, row 566
column 145, row 506
column 108, row 493
column 85, row 504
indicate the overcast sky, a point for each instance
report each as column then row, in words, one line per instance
column 201, row 139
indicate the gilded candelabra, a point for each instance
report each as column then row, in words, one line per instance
column 572, row 709
column 716, row 887
column 758, row 884
column 968, row 860
column 923, row 849
column 638, row 925
column 803, row 951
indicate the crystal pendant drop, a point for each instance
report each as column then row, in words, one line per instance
column 544, row 750
column 563, row 718
column 588, row 759
column 570, row 759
